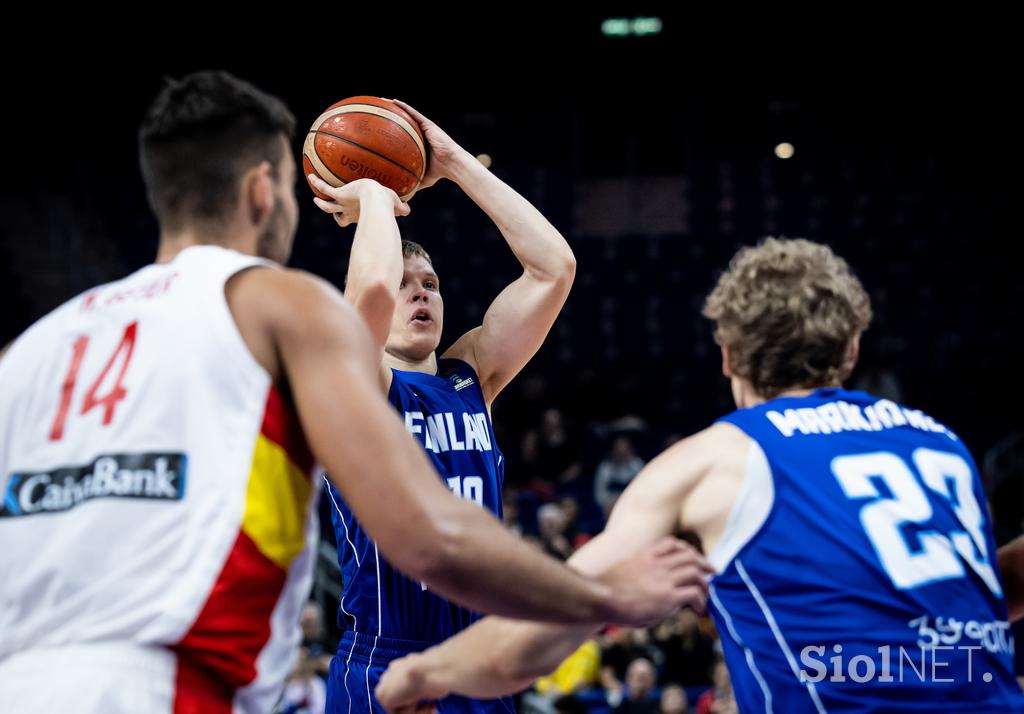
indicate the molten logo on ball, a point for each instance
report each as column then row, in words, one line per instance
column 382, row 142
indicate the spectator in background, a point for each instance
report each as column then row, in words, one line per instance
column 615, row 472
column 558, row 450
column 304, row 692
column 551, row 522
column 619, row 647
column 673, row 700
column 312, row 623
column 638, row 696
column 719, row 699
column 688, row 653
column 571, row 509
column 510, row 510
column 524, row 468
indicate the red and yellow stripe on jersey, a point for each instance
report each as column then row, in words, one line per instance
column 218, row 655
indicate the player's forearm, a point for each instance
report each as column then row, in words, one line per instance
column 537, row 244
column 483, row 566
column 1011, row 565
column 375, row 266
column 459, row 550
column 497, row 657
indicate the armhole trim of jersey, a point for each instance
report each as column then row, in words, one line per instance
column 224, row 325
column 751, row 510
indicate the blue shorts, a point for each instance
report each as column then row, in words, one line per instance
column 359, row 664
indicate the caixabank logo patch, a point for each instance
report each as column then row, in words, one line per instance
column 150, row 476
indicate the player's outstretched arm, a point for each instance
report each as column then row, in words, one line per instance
column 308, row 336
column 375, row 262
column 498, row 656
column 515, row 325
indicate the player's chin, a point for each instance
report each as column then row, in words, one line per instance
column 427, row 334
column 421, row 345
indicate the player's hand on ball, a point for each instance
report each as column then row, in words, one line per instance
column 348, row 199
column 443, row 149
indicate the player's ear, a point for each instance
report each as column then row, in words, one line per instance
column 726, row 369
column 257, row 192
column 854, row 354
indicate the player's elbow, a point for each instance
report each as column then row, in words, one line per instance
column 564, row 267
column 567, row 274
column 558, row 266
column 569, row 263
column 376, row 301
column 377, row 292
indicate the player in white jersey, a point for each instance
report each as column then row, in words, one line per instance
column 157, row 504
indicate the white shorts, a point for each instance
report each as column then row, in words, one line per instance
column 103, row 678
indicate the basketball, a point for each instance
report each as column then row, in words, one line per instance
column 366, row 137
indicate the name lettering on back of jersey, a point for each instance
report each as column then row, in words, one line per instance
column 159, row 477
column 105, row 297
column 449, row 431
column 838, row 417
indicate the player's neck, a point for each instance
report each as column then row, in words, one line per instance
column 796, row 392
column 428, row 365
column 746, row 396
column 172, row 244
column 801, row 392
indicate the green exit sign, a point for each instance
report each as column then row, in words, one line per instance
column 631, row 27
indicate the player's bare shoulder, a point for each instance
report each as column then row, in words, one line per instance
column 280, row 303
column 719, row 447
column 715, row 459
column 727, row 445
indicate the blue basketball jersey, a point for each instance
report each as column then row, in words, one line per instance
column 385, row 614
column 857, row 572
column 447, row 415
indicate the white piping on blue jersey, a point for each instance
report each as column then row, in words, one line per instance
column 754, row 504
column 778, row 635
column 376, row 558
column 746, row 650
column 348, row 694
column 369, row 665
column 330, row 492
column 341, row 602
column 508, row 707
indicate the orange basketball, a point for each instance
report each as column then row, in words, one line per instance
column 366, row 137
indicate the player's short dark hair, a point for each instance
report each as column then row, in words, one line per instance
column 199, row 136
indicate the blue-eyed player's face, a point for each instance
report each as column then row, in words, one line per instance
column 419, row 315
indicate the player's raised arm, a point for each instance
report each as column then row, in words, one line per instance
column 516, row 323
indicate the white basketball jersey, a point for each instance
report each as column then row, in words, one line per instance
column 156, row 487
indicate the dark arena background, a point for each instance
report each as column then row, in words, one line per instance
column 657, row 150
